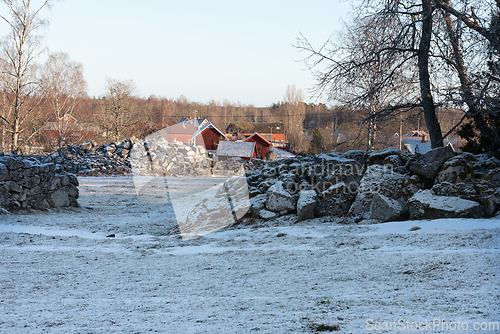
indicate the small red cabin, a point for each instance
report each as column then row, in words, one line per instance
column 262, row 145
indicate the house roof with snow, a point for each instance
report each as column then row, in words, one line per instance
column 239, row 149
column 209, row 125
column 197, row 122
column 262, row 140
column 416, row 133
column 415, row 146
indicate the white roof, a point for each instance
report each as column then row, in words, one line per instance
column 240, row 149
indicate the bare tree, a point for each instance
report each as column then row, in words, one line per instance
column 64, row 84
column 294, row 114
column 414, row 38
column 19, row 51
column 402, row 31
column 118, row 111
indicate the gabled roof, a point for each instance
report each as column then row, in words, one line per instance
column 236, row 149
column 66, row 118
column 256, row 134
column 197, row 122
column 416, row 133
column 209, row 125
column 178, row 129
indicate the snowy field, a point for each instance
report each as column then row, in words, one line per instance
column 60, row 273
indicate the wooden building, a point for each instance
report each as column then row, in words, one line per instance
column 263, row 146
column 67, row 127
column 236, row 149
column 193, row 132
column 272, row 132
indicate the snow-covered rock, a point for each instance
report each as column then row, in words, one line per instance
column 474, row 190
column 357, row 155
column 383, row 180
column 306, row 204
column 279, row 199
column 257, row 203
column 378, row 157
column 334, row 201
column 426, row 205
column 386, row 209
column 457, row 169
column 428, row 165
column 265, row 214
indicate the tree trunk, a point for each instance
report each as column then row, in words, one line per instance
column 465, row 86
column 428, row 106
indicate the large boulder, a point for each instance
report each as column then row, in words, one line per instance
column 479, row 191
column 493, row 177
column 380, row 156
column 331, row 169
column 383, row 180
column 306, row 204
column 457, row 169
column 386, row 209
column 357, row 155
column 5, row 198
column 4, row 172
column 279, row 199
column 428, row 165
column 426, row 205
column 335, row 201
column 257, row 204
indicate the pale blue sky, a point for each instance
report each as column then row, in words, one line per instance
column 219, row 50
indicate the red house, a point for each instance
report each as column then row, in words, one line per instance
column 67, row 127
column 273, row 132
column 193, row 132
column 262, row 145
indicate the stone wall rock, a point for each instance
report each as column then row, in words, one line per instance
column 429, row 164
column 383, row 180
column 426, row 205
column 279, row 199
column 306, row 204
column 386, row 209
column 28, row 183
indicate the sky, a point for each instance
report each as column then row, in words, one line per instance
column 234, row 50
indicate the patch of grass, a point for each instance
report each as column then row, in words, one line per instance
column 415, row 228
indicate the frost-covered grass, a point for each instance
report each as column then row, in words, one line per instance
column 60, row 274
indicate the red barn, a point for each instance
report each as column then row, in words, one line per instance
column 67, row 128
column 262, row 145
column 210, row 135
column 201, row 133
column 273, row 132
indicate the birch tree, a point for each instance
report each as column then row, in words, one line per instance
column 118, row 111
column 63, row 82
column 18, row 69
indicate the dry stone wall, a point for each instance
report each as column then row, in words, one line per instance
column 28, row 183
column 385, row 185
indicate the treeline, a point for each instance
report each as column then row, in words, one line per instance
column 343, row 128
column 154, row 113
